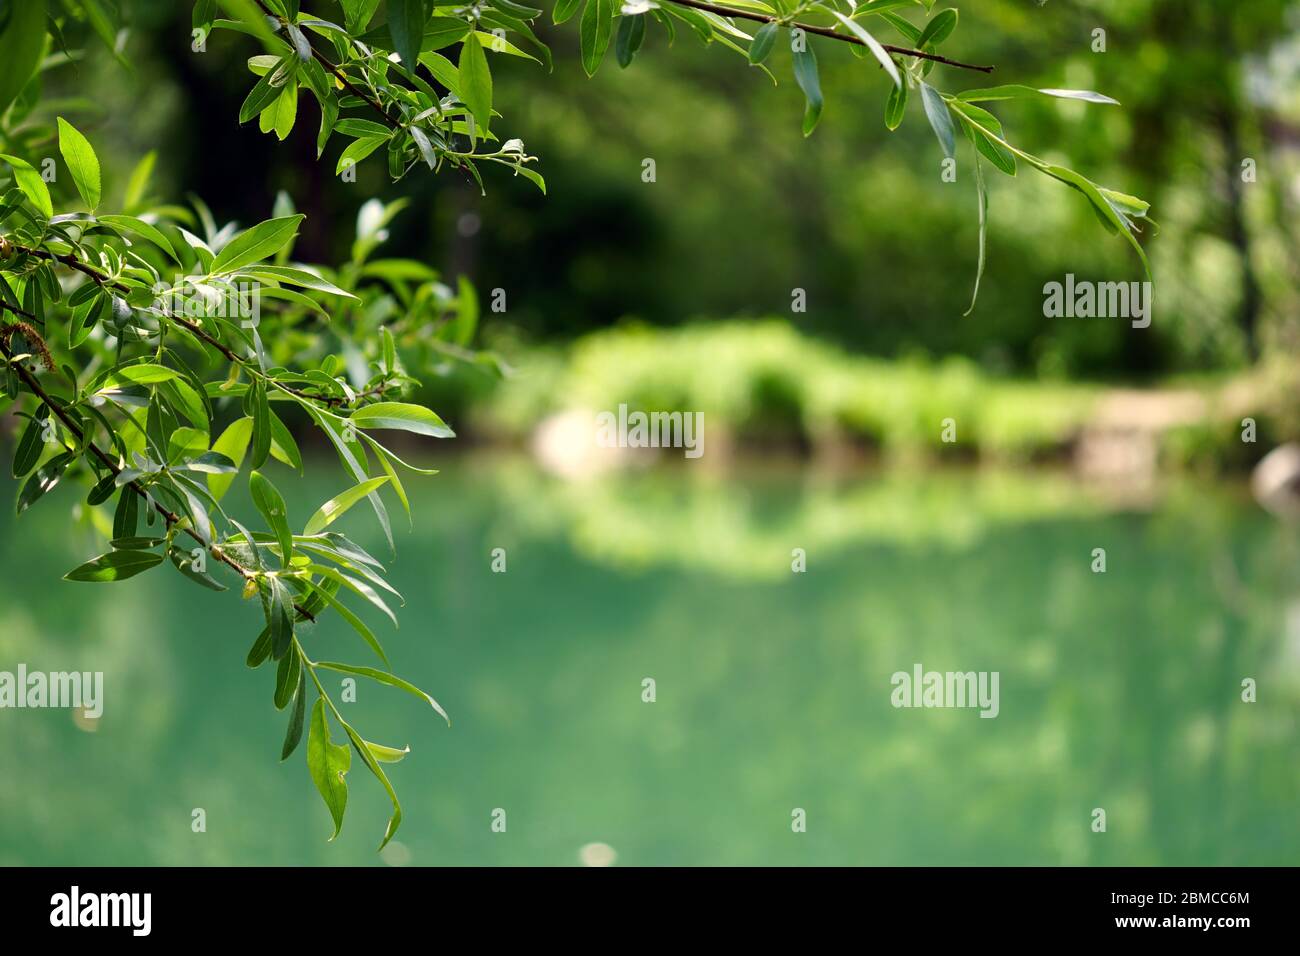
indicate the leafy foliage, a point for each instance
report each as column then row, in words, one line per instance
column 156, row 354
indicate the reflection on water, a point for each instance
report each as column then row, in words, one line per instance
column 1119, row 690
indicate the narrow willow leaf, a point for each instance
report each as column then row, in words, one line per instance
column 82, row 162
column 261, row 424
column 896, row 106
column 261, row 649
column 383, row 677
column 330, row 510
column 805, row 74
column 406, row 20
column 293, row 733
column 938, row 29
column 233, row 443
column 764, row 39
column 564, row 10
column 22, row 42
column 403, row 416
column 31, row 184
column 983, row 197
column 270, row 503
column 281, row 620
column 936, row 111
column 115, row 566
column 126, row 514
column 1017, row 91
column 287, row 677
column 253, row 245
column 386, row 754
column 328, row 763
column 184, row 562
column 43, row 481
column 631, row 34
column 595, row 29
column 476, row 81
column 30, row 446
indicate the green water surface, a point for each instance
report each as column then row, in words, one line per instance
column 1120, row 691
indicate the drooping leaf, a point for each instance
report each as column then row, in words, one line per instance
column 327, row 513
column 328, row 763
column 476, row 81
column 270, row 503
column 403, row 416
column 115, row 566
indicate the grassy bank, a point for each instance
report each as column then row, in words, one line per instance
column 763, row 384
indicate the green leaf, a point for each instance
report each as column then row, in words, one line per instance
column 43, row 481
column 327, row 763
column 764, row 39
column 403, row 416
column 331, row 509
column 383, row 677
column 253, row 245
column 476, row 81
column 293, row 733
column 896, row 106
column 983, row 196
column 1017, row 91
column 31, row 184
column 22, row 43
column 631, row 33
column 386, row 754
column 281, row 621
column 938, row 29
column 406, row 20
column 30, row 446
column 233, row 443
column 594, row 31
column 261, row 649
column 936, row 111
column 261, row 424
column 270, row 503
column 287, row 677
column 143, row 229
column 263, row 93
column 82, row 162
column 184, row 563
column 805, row 74
column 564, row 10
column 115, row 566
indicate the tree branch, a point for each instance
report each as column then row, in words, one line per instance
column 170, row 517
column 828, row 32
column 72, row 262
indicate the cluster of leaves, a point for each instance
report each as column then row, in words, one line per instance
column 353, row 67
column 379, row 68
column 907, row 68
column 134, row 344
column 126, row 337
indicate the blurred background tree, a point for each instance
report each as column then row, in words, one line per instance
column 744, row 209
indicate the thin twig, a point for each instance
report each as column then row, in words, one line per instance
column 828, row 32
column 170, row 517
column 72, row 262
